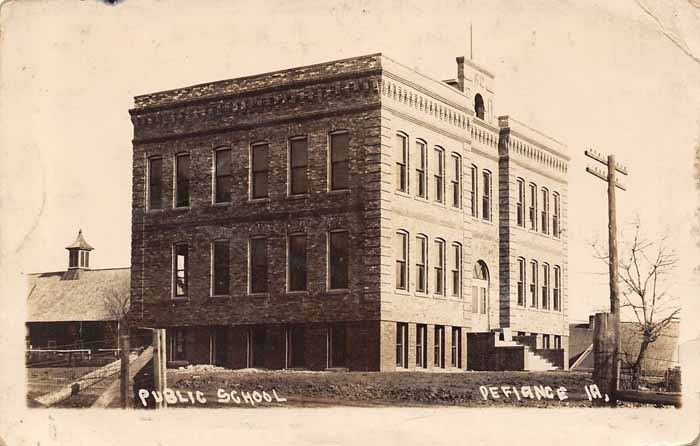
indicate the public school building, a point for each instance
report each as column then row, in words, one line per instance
column 352, row 214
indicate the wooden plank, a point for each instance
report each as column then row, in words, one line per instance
column 661, row 398
column 114, row 389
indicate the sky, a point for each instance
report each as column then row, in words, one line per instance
column 589, row 74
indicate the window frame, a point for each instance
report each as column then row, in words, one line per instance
column 440, row 267
column 251, row 240
column 556, row 214
column 545, row 287
column 212, row 268
column 177, row 180
column 405, row 258
column 149, row 186
column 306, row 263
column 456, row 181
column 402, row 345
column 329, row 266
column 332, row 164
column 422, row 255
column 487, row 195
column 174, row 275
column 421, row 346
column 520, row 204
column 252, row 172
column 532, row 209
column 474, row 192
column 556, row 289
column 544, row 211
column 216, row 176
column 402, row 163
column 534, row 279
column 521, row 282
column 439, row 174
column 456, row 348
column 439, row 346
column 290, row 168
column 422, row 169
column 457, row 270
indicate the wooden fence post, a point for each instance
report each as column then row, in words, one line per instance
column 124, row 387
column 159, row 376
column 604, row 371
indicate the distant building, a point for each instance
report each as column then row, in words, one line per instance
column 352, row 214
column 660, row 355
column 70, row 309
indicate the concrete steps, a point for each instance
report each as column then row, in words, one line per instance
column 533, row 362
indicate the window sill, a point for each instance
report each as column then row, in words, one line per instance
column 402, row 194
column 338, row 291
column 179, row 299
column 181, row 208
column 402, row 292
column 259, row 200
column 422, row 294
column 297, row 293
column 222, row 204
column 297, row 196
column 338, row 191
column 219, row 296
column 155, row 211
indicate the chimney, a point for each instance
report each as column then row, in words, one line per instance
column 460, row 73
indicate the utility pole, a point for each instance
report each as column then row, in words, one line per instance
column 606, row 373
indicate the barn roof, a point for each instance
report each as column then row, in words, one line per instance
column 52, row 299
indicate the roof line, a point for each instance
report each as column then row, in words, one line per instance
column 86, row 269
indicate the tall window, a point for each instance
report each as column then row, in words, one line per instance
column 545, row 341
column 439, row 267
column 439, row 347
column 456, row 357
column 421, row 168
column 260, row 169
column 258, row 266
column 486, row 196
column 401, row 250
column 296, row 258
column 557, row 342
column 223, row 178
column 456, row 270
column 533, row 284
column 532, row 214
column 545, row 211
column 72, row 259
column 182, row 180
column 480, row 287
column 155, row 183
column 220, row 268
column 421, row 346
column 401, row 163
column 439, row 174
column 473, row 192
column 401, row 345
column 557, row 288
column 338, row 254
column 521, row 281
column 421, row 263
column 555, row 216
column 298, row 161
column 545, row 285
column 456, row 181
column 520, row 205
column 180, row 270
column 340, row 164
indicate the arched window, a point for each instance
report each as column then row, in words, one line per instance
column 401, row 254
column 480, row 288
column 520, row 206
column 479, row 106
column 545, row 211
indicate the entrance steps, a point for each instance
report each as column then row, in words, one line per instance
column 533, row 362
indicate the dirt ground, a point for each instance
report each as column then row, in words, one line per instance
column 221, row 388
column 309, row 389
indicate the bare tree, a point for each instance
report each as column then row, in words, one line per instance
column 116, row 300
column 644, row 269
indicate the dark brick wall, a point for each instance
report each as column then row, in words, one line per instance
column 155, row 231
